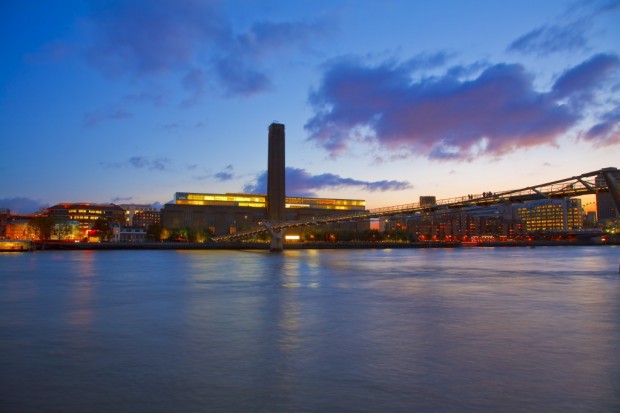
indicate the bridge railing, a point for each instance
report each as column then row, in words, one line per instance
column 573, row 186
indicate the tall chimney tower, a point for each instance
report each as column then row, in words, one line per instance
column 275, row 174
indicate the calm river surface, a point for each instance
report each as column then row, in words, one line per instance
column 407, row 330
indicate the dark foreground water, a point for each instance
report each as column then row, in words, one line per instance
column 416, row 330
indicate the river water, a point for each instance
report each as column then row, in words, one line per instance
column 406, row 330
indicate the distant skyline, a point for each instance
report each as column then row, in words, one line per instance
column 132, row 101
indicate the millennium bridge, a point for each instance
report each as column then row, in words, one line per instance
column 584, row 184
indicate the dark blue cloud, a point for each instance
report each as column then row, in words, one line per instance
column 299, row 182
column 607, row 131
column 141, row 162
column 241, row 78
column 449, row 116
column 91, row 119
column 223, row 176
column 145, row 37
column 121, row 199
column 552, row 39
column 22, row 205
column 585, row 77
column 268, row 37
column 226, row 174
column 193, row 40
column 570, row 35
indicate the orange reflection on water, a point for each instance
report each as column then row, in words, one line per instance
column 80, row 300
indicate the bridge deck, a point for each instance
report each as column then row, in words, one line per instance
column 583, row 184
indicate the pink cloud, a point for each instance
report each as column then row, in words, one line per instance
column 447, row 117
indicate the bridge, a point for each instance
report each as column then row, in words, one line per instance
column 584, row 184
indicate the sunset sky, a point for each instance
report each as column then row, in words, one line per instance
column 132, row 101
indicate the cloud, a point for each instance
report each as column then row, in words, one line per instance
column 195, row 82
column 267, row 37
column 141, row 162
column 22, row 205
column 147, row 38
column 222, row 176
column 160, row 164
column 449, row 117
column 240, row 78
column 587, row 76
column 194, row 41
column 552, row 39
column 117, row 111
column 299, row 182
column 607, row 131
column 571, row 35
column 171, row 127
column 91, row 119
column 121, row 199
column 225, row 175
column 154, row 98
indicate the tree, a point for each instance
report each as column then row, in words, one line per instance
column 165, row 235
column 63, row 229
column 154, row 232
column 102, row 226
column 42, row 227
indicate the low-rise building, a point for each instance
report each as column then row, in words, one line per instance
column 142, row 215
column 551, row 215
column 86, row 213
column 18, row 227
column 133, row 234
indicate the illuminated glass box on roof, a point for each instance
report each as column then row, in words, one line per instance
column 260, row 201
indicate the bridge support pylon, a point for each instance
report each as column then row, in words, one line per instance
column 612, row 185
column 277, row 244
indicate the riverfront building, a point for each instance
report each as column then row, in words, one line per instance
column 223, row 214
column 86, row 214
column 518, row 221
column 75, row 220
column 551, row 215
column 18, row 227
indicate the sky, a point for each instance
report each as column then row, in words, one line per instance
column 386, row 101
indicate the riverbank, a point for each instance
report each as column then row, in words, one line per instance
column 238, row 245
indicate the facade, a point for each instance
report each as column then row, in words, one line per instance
column 127, row 233
column 133, row 234
column 140, row 214
column 86, row 214
column 41, row 227
column 145, row 219
column 223, row 214
column 551, row 215
column 462, row 224
column 19, row 227
column 512, row 222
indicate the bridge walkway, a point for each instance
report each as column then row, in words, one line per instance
column 583, row 184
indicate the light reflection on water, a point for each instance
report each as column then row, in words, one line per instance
column 463, row 330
